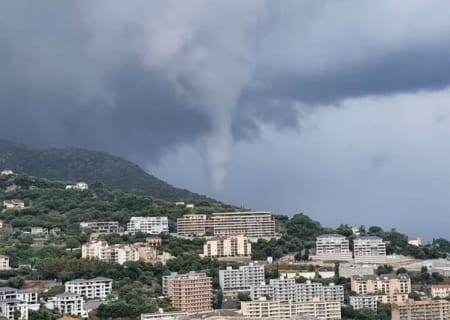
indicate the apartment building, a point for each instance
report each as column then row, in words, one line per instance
column 68, row 303
column 232, row 246
column 364, row 301
column 92, row 289
column 250, row 224
column 369, row 249
column 101, row 227
column 4, row 263
column 273, row 309
column 333, row 247
column 79, row 186
column 286, row 289
column 242, row 278
column 101, row 250
column 415, row 241
column 421, row 310
column 149, row 225
column 14, row 301
column 390, row 288
column 7, row 172
column 191, row 292
column 440, row 291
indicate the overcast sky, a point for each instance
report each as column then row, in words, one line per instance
column 339, row 109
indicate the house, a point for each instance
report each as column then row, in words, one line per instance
column 180, row 204
column 415, row 241
column 7, row 172
column 4, row 263
column 80, row 186
column 39, row 231
column 190, row 206
column 13, row 204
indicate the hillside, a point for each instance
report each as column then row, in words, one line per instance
column 90, row 166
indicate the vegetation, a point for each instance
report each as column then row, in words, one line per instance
column 92, row 167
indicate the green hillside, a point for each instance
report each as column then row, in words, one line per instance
column 91, row 166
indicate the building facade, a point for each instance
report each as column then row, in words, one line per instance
column 232, row 246
column 13, row 204
column 68, row 303
column 333, row 247
column 93, row 289
column 440, row 291
column 242, row 278
column 421, row 310
column 273, row 309
column 191, row 292
column 286, row 289
column 4, row 262
column 364, row 301
column 100, row 226
column 254, row 225
column 14, row 301
column 369, row 249
column 149, row 225
column 390, row 288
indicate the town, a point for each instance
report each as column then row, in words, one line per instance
column 199, row 263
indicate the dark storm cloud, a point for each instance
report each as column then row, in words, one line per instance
column 139, row 78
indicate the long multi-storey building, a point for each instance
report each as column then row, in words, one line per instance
column 243, row 278
column 421, row 310
column 97, row 288
column 390, row 288
column 149, row 225
column 250, row 224
column 101, row 250
column 232, row 246
column 191, row 292
column 286, row 289
column 364, row 301
column 273, row 309
column 369, row 249
column 100, row 226
column 440, row 291
column 333, row 247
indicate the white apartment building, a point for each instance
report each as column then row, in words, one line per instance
column 7, row 172
column 440, row 291
column 273, row 309
column 150, row 225
column 369, row 249
column 68, row 303
column 13, row 300
column 286, row 289
column 232, row 246
column 39, row 231
column 254, row 225
column 242, row 278
column 100, row 226
column 92, row 289
column 4, row 263
column 364, row 301
column 333, row 247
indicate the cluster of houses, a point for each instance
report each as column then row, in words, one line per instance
column 15, row 304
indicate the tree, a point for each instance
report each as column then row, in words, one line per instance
column 401, row 271
column 72, row 243
column 384, row 269
column 414, row 295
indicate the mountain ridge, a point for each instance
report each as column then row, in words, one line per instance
column 91, row 166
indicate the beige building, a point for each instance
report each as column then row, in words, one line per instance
column 421, row 310
column 369, row 249
column 190, row 292
column 274, row 309
column 390, row 288
column 121, row 253
column 332, row 247
column 250, row 224
column 232, row 246
column 4, row 263
column 440, row 291
column 415, row 241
